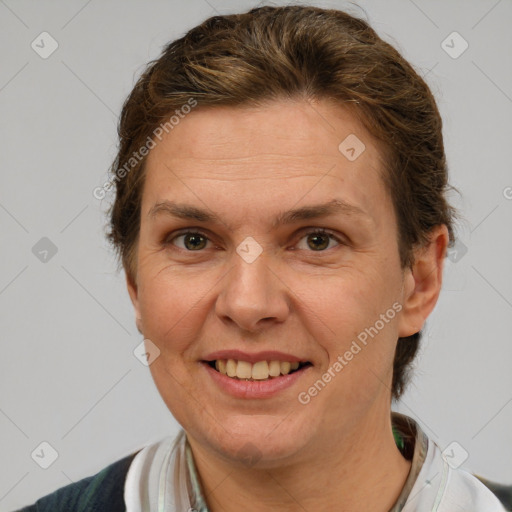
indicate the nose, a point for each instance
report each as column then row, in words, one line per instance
column 252, row 296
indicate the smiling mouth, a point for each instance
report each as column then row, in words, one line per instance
column 259, row 371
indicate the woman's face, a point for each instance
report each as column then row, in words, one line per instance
column 248, row 281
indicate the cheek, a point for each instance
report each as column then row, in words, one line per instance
column 361, row 312
column 357, row 298
column 170, row 309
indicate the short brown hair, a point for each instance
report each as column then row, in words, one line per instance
column 295, row 52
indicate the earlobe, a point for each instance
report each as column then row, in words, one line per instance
column 133, row 292
column 138, row 323
column 422, row 282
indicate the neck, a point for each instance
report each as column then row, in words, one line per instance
column 365, row 471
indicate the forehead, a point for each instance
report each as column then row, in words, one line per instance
column 287, row 127
column 272, row 154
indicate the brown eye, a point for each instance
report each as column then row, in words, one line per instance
column 318, row 240
column 192, row 241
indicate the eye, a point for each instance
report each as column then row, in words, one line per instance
column 318, row 239
column 192, row 240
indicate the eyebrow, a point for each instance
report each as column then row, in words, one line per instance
column 189, row 212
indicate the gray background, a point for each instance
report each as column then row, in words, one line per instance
column 68, row 375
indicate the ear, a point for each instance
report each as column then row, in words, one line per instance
column 133, row 292
column 422, row 282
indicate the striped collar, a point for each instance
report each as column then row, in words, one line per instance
column 409, row 437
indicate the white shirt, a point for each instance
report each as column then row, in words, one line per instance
column 162, row 478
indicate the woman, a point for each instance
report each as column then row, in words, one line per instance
column 280, row 214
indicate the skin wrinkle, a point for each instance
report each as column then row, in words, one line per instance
column 162, row 214
column 309, row 303
column 190, row 178
column 286, row 173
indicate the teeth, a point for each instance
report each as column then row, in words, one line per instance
column 285, row 368
column 261, row 370
column 274, row 368
column 220, row 364
column 244, row 370
column 230, row 368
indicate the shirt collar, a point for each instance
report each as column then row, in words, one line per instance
column 197, row 499
column 413, row 447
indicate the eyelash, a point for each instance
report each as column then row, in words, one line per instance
column 312, row 231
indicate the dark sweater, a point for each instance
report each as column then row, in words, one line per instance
column 104, row 492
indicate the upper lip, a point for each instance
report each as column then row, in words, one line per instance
column 266, row 355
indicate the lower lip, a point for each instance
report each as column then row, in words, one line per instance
column 254, row 389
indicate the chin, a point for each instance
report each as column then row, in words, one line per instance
column 259, row 441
